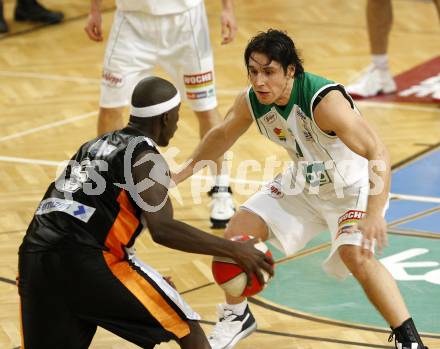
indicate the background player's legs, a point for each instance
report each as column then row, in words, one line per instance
column 196, row 339
column 207, row 120
column 379, row 22
column 110, row 119
column 222, row 206
column 377, row 79
column 437, row 5
column 130, row 55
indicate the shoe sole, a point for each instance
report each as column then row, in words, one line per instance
column 219, row 223
column 241, row 336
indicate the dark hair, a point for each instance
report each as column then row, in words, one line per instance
column 277, row 46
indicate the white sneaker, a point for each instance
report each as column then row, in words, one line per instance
column 373, row 82
column 436, row 93
column 222, row 206
column 231, row 327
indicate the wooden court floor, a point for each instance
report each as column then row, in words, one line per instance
column 49, row 90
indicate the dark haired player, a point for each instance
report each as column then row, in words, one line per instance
column 335, row 154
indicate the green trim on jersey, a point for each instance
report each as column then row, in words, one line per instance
column 304, row 88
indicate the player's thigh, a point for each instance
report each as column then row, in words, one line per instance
column 128, row 298
column 47, row 320
column 247, row 222
column 190, row 60
column 342, row 216
column 290, row 220
column 130, row 54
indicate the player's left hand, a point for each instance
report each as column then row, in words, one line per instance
column 373, row 227
column 229, row 26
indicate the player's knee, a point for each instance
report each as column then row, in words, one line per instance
column 245, row 222
column 355, row 261
column 196, row 338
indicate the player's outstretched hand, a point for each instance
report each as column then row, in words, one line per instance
column 229, row 26
column 252, row 260
column 93, row 26
column 373, row 227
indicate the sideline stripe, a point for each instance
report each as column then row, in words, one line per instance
column 397, row 166
column 30, row 161
column 48, row 126
column 32, row 75
column 7, row 281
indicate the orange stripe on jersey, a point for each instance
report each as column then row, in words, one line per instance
column 21, row 325
column 151, row 299
column 123, row 227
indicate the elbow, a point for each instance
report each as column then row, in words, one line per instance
column 157, row 235
column 157, row 232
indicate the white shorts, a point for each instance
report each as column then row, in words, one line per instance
column 179, row 43
column 294, row 220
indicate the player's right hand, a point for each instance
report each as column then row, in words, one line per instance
column 252, row 260
column 93, row 26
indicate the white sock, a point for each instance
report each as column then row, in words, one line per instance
column 237, row 308
column 380, row 61
column 222, row 180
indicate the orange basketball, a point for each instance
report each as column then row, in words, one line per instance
column 232, row 278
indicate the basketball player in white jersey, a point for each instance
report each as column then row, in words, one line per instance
column 325, row 189
column 175, row 35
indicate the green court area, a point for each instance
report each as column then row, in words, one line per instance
column 302, row 285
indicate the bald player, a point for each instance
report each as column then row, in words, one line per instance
column 77, row 267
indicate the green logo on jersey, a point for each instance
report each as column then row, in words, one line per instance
column 316, row 174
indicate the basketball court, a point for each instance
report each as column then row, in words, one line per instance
column 49, row 91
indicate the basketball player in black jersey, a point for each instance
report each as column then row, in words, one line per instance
column 77, row 269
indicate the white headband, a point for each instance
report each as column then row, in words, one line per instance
column 156, row 109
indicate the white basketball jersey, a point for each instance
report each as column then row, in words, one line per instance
column 157, row 7
column 323, row 159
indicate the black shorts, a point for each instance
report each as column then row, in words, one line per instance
column 66, row 294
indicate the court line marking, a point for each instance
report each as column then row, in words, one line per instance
column 276, row 308
column 311, row 338
column 418, row 198
column 48, row 126
column 42, row 76
column 414, row 216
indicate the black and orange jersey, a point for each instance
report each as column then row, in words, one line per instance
column 87, row 204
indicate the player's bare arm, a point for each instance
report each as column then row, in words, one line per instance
column 228, row 22
column 167, row 231
column 93, row 26
column 220, row 138
column 334, row 113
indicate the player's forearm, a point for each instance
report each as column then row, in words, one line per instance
column 95, row 5
column 380, row 179
column 180, row 236
column 228, row 5
column 212, row 146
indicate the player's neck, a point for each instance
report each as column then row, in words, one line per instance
column 284, row 98
column 149, row 130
